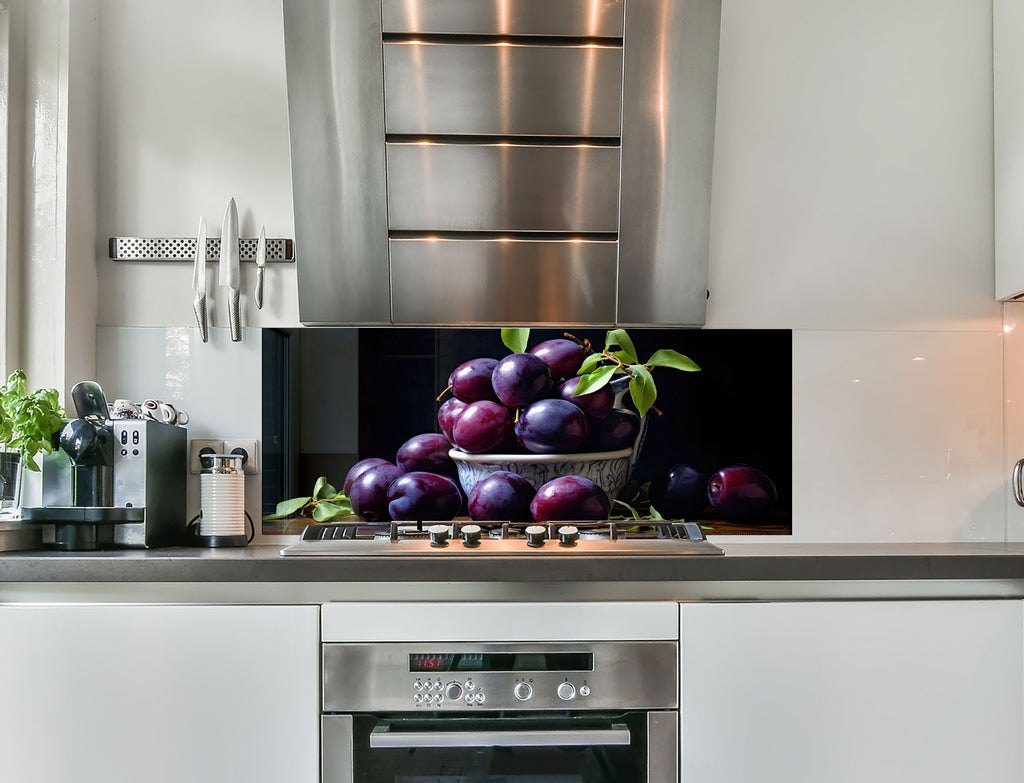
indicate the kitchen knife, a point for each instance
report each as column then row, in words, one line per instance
column 199, row 281
column 229, row 274
column 261, row 262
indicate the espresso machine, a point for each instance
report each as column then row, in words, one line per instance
column 112, row 483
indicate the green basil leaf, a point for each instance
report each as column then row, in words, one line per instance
column 593, row 381
column 287, row 508
column 589, row 363
column 619, row 337
column 666, row 357
column 642, row 389
column 515, row 340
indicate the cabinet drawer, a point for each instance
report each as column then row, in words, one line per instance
column 503, row 281
column 504, row 17
column 502, row 187
column 502, row 89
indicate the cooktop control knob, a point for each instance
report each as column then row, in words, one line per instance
column 471, row 535
column 522, row 691
column 568, row 535
column 438, row 535
column 535, row 535
column 566, row 691
column 453, row 692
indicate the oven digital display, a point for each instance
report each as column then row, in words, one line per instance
column 502, row 662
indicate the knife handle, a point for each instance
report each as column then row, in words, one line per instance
column 199, row 306
column 234, row 317
column 258, row 295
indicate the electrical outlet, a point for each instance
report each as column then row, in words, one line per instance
column 250, row 448
column 196, row 446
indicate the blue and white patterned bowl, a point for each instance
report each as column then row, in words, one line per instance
column 610, row 470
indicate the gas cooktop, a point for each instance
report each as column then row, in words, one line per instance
column 467, row 539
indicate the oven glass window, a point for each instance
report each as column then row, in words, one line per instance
column 478, row 756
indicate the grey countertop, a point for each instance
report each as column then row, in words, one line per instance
column 746, row 562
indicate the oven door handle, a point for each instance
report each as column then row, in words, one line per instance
column 383, row 737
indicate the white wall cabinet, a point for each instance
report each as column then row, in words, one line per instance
column 887, row 692
column 162, row 694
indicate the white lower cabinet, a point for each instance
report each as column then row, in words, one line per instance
column 159, row 694
column 852, row 692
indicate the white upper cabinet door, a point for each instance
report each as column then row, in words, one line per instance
column 1008, row 114
column 161, row 694
column 886, row 692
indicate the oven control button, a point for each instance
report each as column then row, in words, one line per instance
column 417, row 686
column 438, row 535
column 471, row 535
column 479, row 698
column 566, row 691
column 584, row 690
column 438, row 698
column 453, row 691
column 470, row 685
column 522, row 691
column 417, row 699
column 535, row 535
column 469, row 698
column 568, row 535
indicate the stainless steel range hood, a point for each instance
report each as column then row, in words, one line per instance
column 477, row 162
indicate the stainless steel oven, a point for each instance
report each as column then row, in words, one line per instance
column 517, row 712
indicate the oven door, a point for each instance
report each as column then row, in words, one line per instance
column 630, row 747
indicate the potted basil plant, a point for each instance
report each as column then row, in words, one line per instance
column 28, row 423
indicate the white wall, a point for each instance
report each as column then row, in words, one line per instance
column 852, row 203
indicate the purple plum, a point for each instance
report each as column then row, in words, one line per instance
column 552, row 426
column 569, row 498
column 369, row 494
column 521, row 378
column 448, row 413
column 482, row 426
column 428, row 452
column 617, row 430
column 359, row 467
column 471, row 381
column 742, row 494
column 502, row 495
column 564, row 357
column 681, row 493
column 419, row 495
column 596, row 404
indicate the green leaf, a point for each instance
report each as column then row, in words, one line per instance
column 330, row 493
column 593, row 381
column 631, row 510
column 627, row 352
column 655, row 514
column 515, row 340
column 642, row 389
column 287, row 508
column 589, row 363
column 325, row 510
column 318, row 487
column 666, row 357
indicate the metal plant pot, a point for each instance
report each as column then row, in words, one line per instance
column 11, row 469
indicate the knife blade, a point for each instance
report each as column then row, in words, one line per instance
column 229, row 272
column 261, row 262
column 199, row 281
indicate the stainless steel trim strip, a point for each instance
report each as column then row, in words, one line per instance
column 494, row 281
column 382, row 737
column 279, row 251
column 663, row 747
column 670, row 68
column 336, row 749
column 492, row 89
column 336, row 123
column 524, row 17
column 502, row 187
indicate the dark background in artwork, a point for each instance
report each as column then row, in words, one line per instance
column 738, row 409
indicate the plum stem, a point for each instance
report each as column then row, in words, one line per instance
column 609, row 356
column 441, row 395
